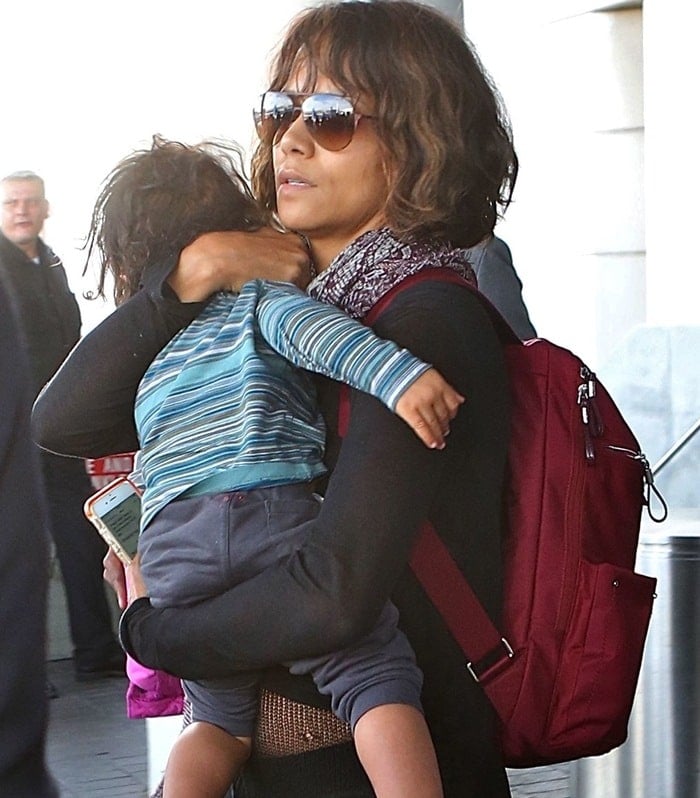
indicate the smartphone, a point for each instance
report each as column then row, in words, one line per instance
column 115, row 510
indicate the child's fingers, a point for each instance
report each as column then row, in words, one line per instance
column 451, row 401
column 444, row 413
column 428, row 406
column 429, row 429
column 438, row 414
column 445, row 408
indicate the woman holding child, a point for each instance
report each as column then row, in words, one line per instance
column 383, row 143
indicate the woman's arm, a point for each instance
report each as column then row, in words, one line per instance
column 381, row 489
column 86, row 410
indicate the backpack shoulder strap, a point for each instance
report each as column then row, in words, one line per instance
column 445, row 275
column 431, row 562
column 485, row 648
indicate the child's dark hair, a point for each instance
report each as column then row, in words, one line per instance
column 155, row 202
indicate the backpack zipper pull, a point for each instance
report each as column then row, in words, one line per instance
column 650, row 487
column 649, row 484
column 590, row 415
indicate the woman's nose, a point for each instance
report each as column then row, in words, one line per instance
column 296, row 137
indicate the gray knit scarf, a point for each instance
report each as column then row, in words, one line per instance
column 363, row 272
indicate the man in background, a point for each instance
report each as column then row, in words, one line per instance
column 49, row 320
column 24, row 564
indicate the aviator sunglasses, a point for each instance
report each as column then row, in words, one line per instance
column 330, row 118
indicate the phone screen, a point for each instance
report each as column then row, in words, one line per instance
column 123, row 522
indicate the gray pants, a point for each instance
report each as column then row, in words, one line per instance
column 198, row 547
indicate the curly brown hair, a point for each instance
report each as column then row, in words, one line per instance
column 443, row 127
column 157, row 201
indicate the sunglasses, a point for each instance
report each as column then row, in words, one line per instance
column 330, row 118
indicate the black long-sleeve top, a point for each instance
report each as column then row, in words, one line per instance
column 384, row 483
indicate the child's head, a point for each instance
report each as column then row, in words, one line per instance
column 155, row 202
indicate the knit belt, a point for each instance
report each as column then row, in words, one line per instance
column 285, row 727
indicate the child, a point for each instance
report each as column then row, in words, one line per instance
column 231, row 441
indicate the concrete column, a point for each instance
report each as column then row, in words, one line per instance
column 671, row 69
column 571, row 77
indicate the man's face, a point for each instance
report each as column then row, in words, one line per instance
column 24, row 210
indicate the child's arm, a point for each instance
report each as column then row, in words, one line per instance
column 321, row 338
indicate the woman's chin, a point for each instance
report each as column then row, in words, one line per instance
column 296, row 221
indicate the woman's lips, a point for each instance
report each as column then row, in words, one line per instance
column 291, row 180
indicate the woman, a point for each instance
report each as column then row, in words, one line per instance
column 389, row 176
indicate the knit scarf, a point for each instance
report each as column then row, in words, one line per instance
column 363, row 272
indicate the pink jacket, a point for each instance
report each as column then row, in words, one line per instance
column 151, row 694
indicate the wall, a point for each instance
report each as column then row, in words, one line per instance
column 672, row 66
column 573, row 86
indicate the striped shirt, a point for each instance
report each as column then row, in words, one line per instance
column 228, row 403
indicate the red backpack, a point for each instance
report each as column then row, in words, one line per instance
column 562, row 670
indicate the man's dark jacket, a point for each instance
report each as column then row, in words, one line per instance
column 24, row 568
column 47, row 311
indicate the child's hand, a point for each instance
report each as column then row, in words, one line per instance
column 135, row 586
column 427, row 406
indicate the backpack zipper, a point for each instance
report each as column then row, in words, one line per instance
column 590, row 415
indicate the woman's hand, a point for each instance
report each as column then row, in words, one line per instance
column 135, row 586
column 427, row 406
column 224, row 261
column 113, row 574
column 126, row 581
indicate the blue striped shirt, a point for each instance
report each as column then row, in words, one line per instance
column 228, row 403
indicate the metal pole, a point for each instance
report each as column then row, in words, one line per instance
column 677, row 446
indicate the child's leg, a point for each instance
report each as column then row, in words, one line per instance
column 204, row 762
column 375, row 685
column 210, row 752
column 395, row 749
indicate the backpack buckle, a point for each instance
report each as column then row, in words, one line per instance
column 496, row 657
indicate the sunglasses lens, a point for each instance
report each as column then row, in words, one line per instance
column 275, row 115
column 330, row 119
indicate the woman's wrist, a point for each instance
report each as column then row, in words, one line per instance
column 134, row 610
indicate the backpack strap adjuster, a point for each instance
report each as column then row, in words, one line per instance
column 494, row 659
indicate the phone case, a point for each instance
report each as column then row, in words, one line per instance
column 109, row 537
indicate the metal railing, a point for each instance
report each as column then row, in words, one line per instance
column 666, row 458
